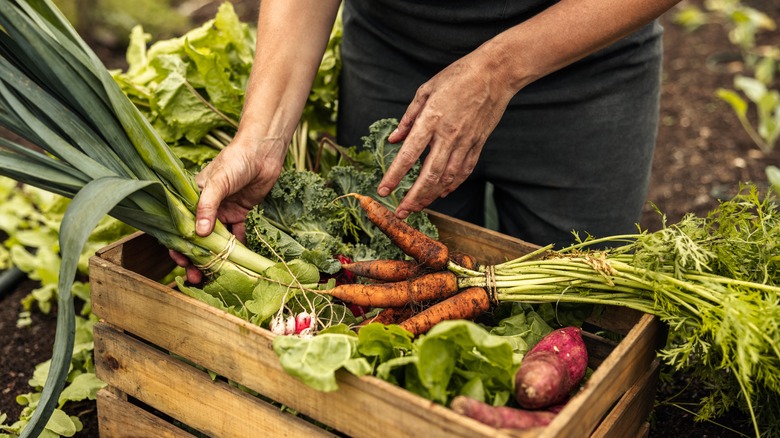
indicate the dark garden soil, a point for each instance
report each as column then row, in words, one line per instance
column 702, row 155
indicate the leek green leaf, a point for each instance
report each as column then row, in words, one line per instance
column 88, row 207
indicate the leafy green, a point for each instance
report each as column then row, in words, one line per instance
column 455, row 352
column 315, row 360
column 193, row 84
column 714, row 280
column 298, row 219
column 305, row 216
column 192, row 88
column 454, row 357
column 522, row 328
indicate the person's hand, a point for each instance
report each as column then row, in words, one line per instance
column 234, row 182
column 452, row 114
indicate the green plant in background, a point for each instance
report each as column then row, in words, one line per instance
column 191, row 88
column 110, row 21
column 755, row 98
column 34, row 244
column 31, row 218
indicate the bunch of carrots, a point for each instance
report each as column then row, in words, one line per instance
column 402, row 287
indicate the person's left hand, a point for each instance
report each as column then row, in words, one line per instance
column 453, row 114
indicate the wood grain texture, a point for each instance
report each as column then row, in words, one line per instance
column 125, row 297
column 187, row 393
column 118, row 418
column 628, row 414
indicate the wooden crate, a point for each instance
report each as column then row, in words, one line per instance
column 153, row 345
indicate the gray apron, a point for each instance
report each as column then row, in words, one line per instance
column 573, row 150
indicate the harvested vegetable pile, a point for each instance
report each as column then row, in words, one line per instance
column 713, row 280
column 99, row 149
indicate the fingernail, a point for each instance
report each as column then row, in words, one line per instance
column 402, row 214
column 395, row 131
column 203, row 226
column 383, row 191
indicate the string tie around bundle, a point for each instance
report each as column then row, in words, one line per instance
column 216, row 262
column 490, row 283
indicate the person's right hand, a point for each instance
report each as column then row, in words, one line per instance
column 234, row 182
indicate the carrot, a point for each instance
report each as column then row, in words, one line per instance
column 385, row 270
column 411, row 241
column 464, row 260
column 427, row 287
column 391, row 315
column 551, row 369
column 501, row 417
column 467, row 304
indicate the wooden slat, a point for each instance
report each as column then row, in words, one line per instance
column 188, row 394
column 489, row 247
column 118, row 418
column 627, row 417
column 627, row 363
column 598, row 348
column 139, row 252
column 242, row 352
column 124, row 295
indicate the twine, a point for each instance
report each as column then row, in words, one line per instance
column 601, row 265
column 215, row 264
column 490, row 284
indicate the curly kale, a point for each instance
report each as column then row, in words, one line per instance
column 304, row 215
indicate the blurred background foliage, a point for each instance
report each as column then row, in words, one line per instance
column 106, row 24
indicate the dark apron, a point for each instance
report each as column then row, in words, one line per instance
column 573, row 150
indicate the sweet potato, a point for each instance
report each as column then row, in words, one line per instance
column 551, row 369
column 501, row 417
column 567, row 344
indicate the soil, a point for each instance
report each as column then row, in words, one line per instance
column 702, row 155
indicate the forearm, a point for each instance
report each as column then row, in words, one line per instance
column 291, row 38
column 564, row 33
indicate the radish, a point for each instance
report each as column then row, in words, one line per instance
column 303, row 321
column 289, row 325
column 277, row 325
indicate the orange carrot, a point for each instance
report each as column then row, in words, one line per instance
column 427, row 287
column 465, row 260
column 466, row 304
column 385, row 270
column 411, row 241
column 391, row 315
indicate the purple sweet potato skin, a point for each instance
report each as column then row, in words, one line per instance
column 542, row 380
column 551, row 369
column 500, row 417
column 567, row 343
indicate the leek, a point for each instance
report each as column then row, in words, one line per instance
column 99, row 150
